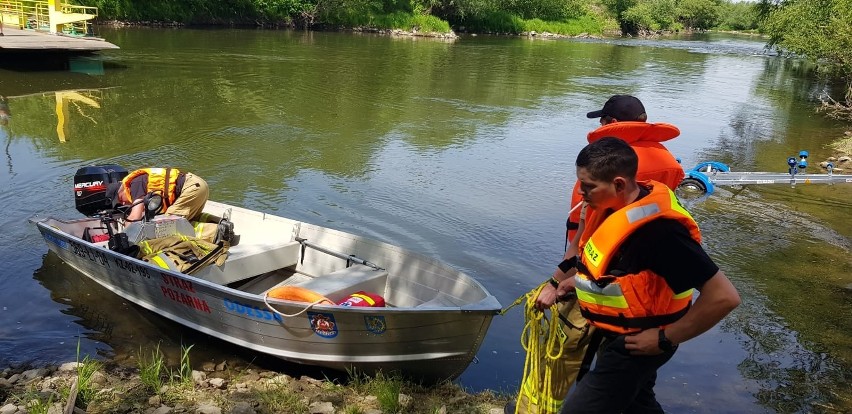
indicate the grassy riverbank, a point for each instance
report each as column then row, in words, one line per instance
column 152, row 387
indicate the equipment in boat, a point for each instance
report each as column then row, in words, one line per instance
column 706, row 175
column 434, row 320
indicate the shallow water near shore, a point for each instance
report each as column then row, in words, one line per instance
column 462, row 151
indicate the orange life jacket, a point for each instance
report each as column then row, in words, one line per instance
column 162, row 181
column 635, row 301
column 655, row 161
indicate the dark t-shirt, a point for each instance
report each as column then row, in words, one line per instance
column 665, row 247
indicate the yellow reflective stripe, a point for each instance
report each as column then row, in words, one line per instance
column 365, row 297
column 160, row 262
column 685, row 294
column 146, row 248
column 198, row 228
column 676, row 206
column 592, row 253
column 545, row 403
column 603, row 300
column 530, row 392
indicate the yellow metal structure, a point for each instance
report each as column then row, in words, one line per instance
column 51, row 16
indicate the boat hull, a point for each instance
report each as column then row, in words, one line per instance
column 427, row 342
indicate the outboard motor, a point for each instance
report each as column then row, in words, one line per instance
column 90, row 186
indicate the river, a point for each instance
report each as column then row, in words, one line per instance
column 461, row 150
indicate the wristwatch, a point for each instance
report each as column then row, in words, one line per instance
column 664, row 343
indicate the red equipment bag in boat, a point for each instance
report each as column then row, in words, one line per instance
column 363, row 299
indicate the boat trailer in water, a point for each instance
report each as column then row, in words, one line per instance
column 706, row 175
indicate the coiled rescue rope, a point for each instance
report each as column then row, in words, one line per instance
column 540, row 338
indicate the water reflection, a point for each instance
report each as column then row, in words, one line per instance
column 69, row 107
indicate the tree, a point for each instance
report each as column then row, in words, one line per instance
column 699, row 14
column 820, row 30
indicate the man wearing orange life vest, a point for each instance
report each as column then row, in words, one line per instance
column 635, row 278
column 184, row 194
column 622, row 116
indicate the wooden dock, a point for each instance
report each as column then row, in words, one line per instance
column 27, row 40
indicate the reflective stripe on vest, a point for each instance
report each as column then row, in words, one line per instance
column 631, row 302
column 162, row 260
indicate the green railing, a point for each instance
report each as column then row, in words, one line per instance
column 80, row 27
column 68, row 19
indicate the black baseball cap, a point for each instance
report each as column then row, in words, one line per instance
column 620, row 107
column 112, row 192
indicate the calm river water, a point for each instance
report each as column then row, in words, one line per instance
column 462, row 151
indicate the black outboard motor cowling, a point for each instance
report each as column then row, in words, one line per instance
column 90, row 186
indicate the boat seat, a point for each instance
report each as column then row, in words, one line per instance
column 344, row 282
column 247, row 260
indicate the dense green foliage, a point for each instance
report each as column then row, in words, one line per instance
column 818, row 29
column 643, row 16
column 738, row 16
column 568, row 17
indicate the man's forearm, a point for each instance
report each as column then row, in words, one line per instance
column 717, row 299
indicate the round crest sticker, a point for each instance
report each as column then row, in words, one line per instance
column 323, row 324
column 375, row 324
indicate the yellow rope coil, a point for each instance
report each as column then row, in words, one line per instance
column 541, row 340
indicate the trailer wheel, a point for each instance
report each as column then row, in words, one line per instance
column 692, row 186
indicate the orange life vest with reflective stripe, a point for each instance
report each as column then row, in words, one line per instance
column 655, row 161
column 635, row 301
column 162, row 181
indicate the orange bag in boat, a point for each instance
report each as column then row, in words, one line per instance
column 363, row 299
column 298, row 294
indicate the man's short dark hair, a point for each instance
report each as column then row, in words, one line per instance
column 607, row 158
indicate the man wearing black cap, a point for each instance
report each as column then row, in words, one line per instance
column 620, row 108
column 624, row 117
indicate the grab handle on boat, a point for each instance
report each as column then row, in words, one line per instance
column 350, row 258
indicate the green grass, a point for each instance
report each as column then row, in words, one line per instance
column 279, row 399
column 151, row 370
column 35, row 402
column 185, row 373
column 570, row 28
column 397, row 20
column 387, row 389
column 502, row 22
column 85, row 370
column 353, row 409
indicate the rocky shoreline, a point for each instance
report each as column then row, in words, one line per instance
column 216, row 388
